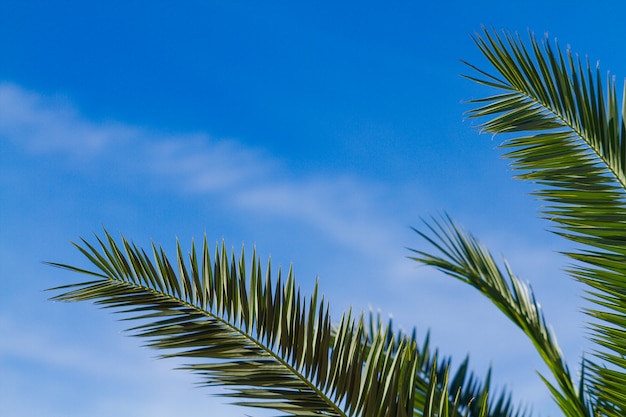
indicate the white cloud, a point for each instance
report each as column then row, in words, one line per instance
column 43, row 371
column 345, row 209
column 43, row 124
column 201, row 165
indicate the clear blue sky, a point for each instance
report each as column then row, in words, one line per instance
column 319, row 132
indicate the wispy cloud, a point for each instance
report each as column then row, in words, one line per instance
column 199, row 164
column 345, row 209
column 39, row 362
column 50, row 124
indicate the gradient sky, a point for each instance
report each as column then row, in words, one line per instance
column 319, row 132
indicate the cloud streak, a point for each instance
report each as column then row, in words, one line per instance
column 344, row 209
column 50, row 125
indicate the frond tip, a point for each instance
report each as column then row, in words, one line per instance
column 271, row 346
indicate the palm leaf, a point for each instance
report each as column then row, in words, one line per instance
column 466, row 394
column 265, row 342
column 574, row 150
column 461, row 256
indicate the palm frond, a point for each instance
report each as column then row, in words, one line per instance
column 461, row 256
column 464, row 390
column 574, row 150
column 467, row 394
column 264, row 341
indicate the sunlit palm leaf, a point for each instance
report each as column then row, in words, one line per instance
column 438, row 401
column 461, row 256
column 464, row 390
column 270, row 346
column 575, row 151
column 466, row 394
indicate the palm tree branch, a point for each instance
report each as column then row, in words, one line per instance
column 575, row 150
column 461, row 256
column 248, row 333
column 464, row 389
column 268, row 345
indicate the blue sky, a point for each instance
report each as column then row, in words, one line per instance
column 319, row 132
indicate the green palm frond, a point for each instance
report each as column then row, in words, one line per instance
column 268, row 345
column 464, row 390
column 271, row 347
column 461, row 256
column 467, row 394
column 573, row 148
column 480, row 396
column 438, row 401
